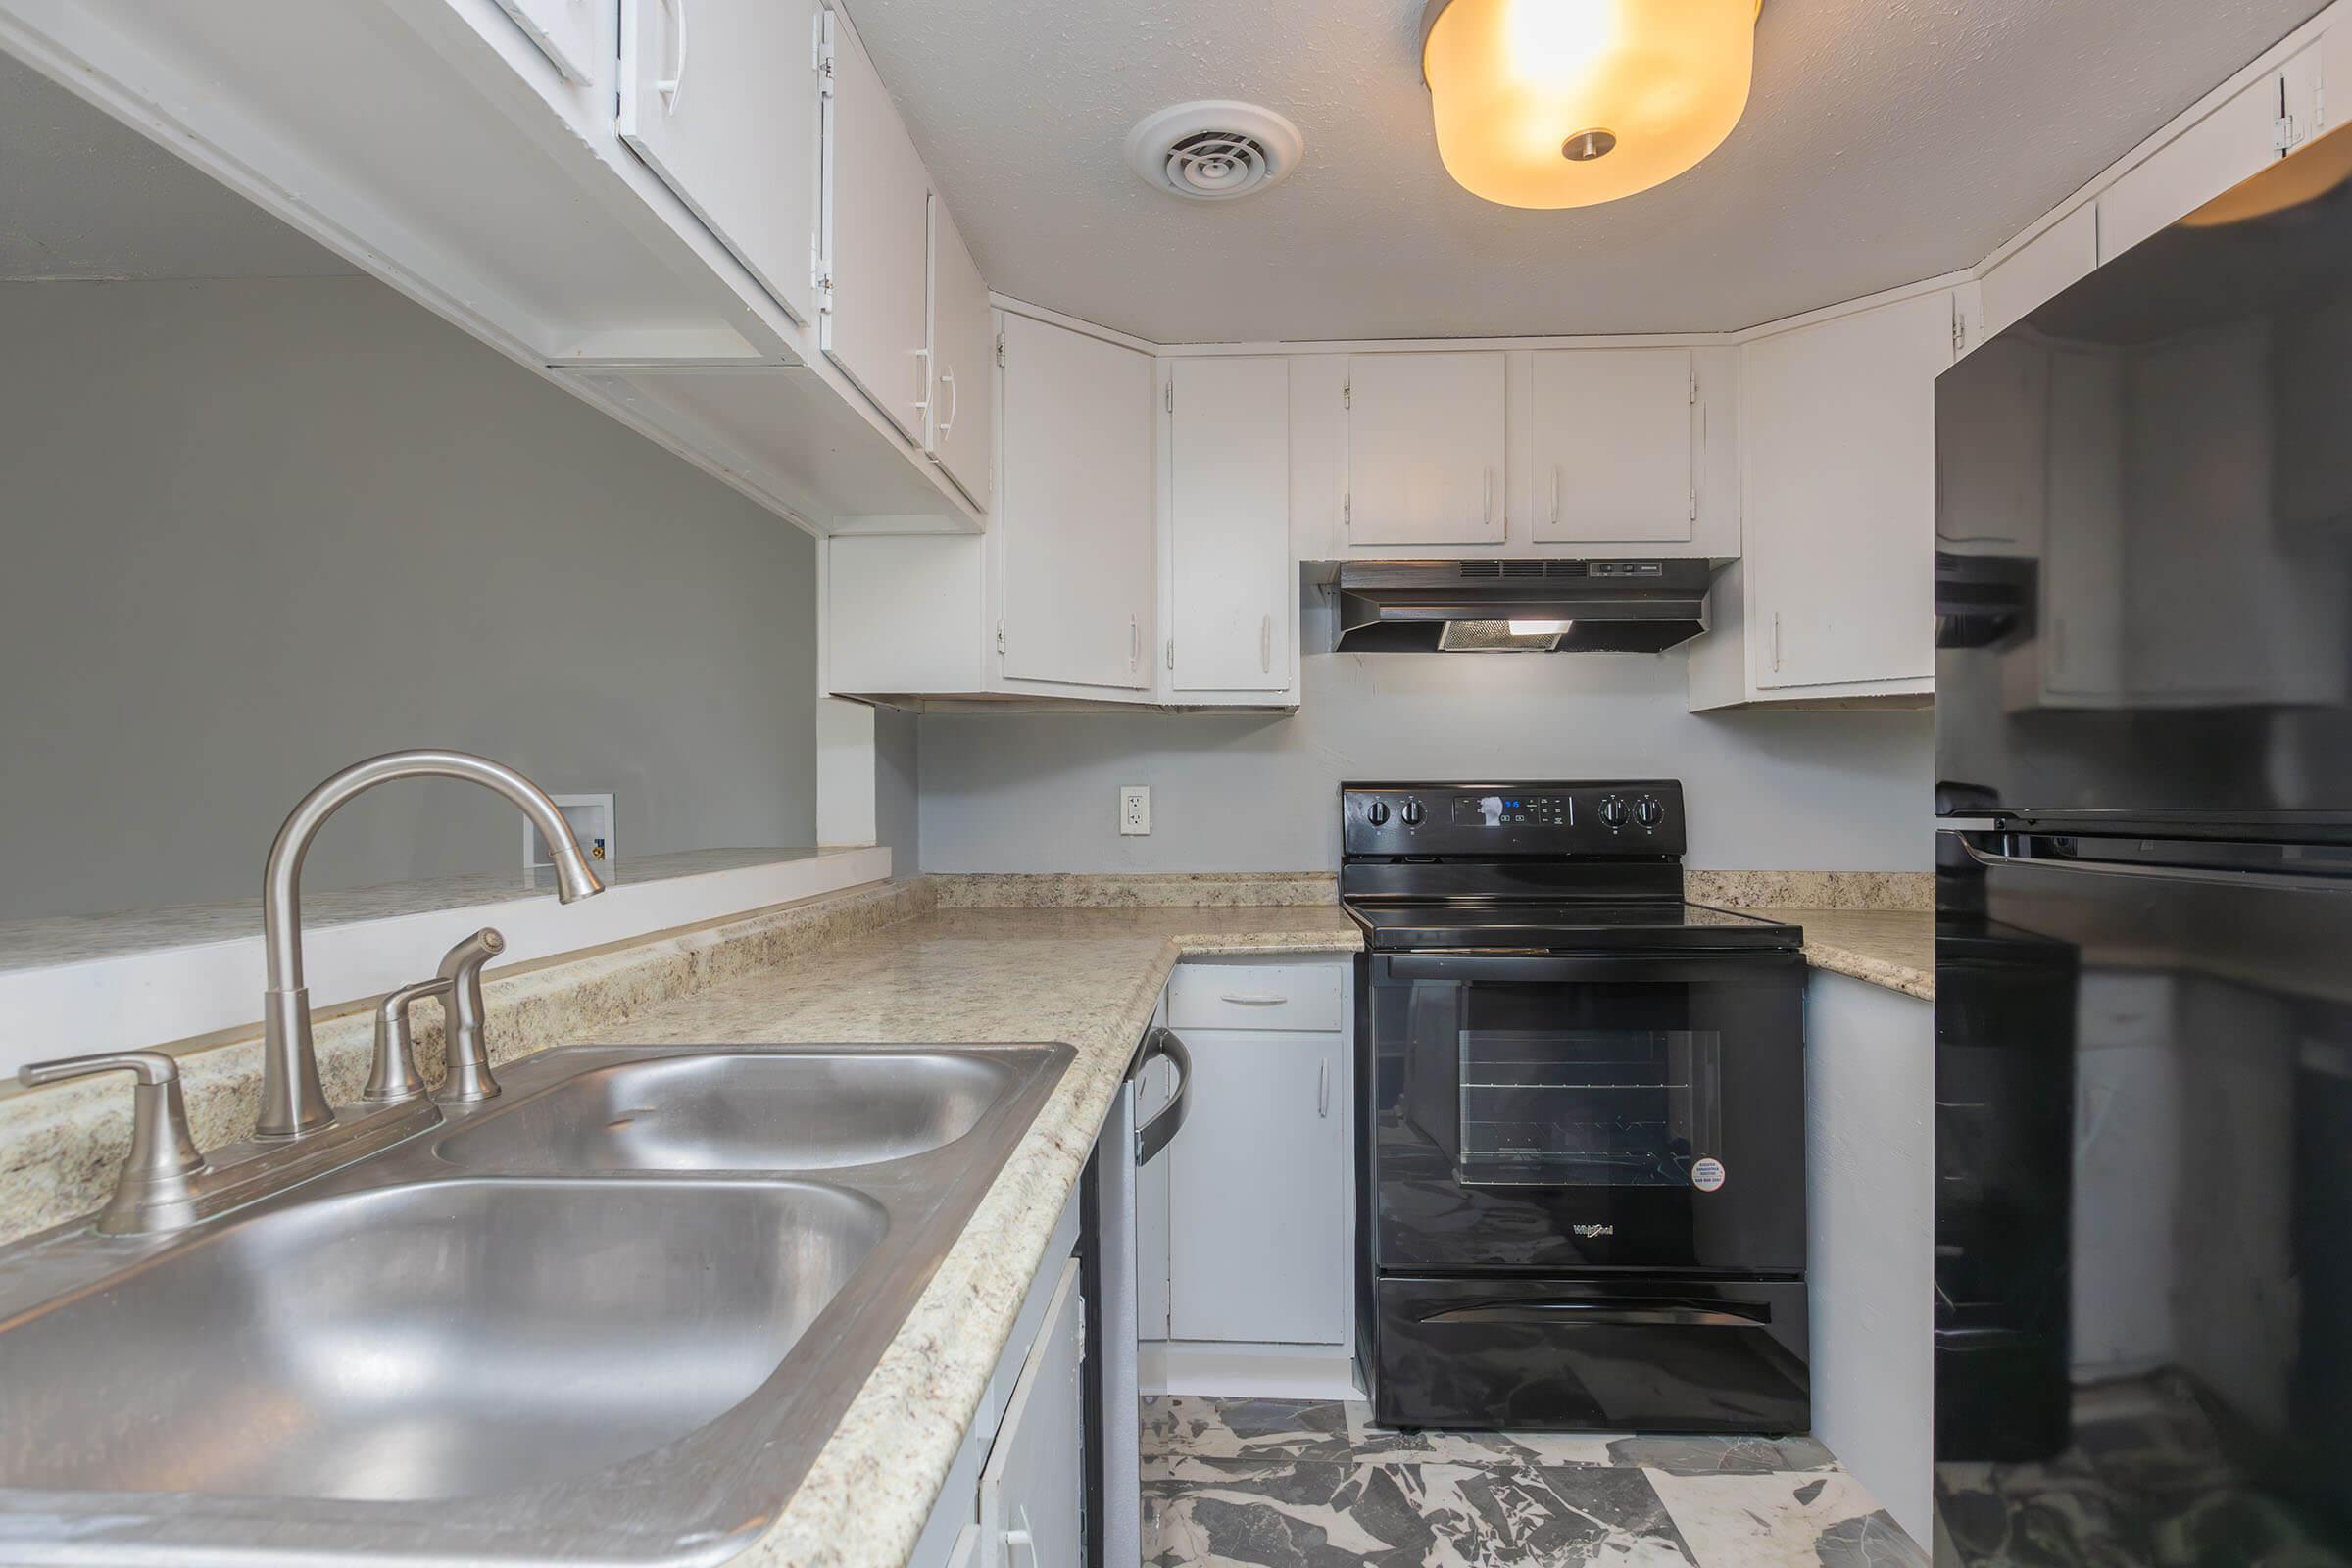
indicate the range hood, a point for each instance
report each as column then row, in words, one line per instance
column 1521, row 607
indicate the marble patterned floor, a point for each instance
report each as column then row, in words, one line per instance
column 1289, row 1483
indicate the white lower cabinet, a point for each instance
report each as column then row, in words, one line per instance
column 1259, row 1254
column 1033, row 1491
column 1257, row 1192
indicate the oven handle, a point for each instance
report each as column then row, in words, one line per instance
column 1615, row 1314
column 1555, row 969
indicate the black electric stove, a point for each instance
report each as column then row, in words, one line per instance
column 1582, row 1142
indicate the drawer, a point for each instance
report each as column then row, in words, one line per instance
column 1258, row 996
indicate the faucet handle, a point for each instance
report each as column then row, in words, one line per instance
column 155, row 1184
column 393, row 1076
column 468, row 1078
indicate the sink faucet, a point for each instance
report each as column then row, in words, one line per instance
column 293, row 1104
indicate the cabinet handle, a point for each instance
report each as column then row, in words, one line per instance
column 1135, row 642
column 1776, row 641
column 1485, row 477
column 1555, row 495
column 1022, row 1537
column 1265, row 645
column 1323, row 1088
column 1244, row 999
column 669, row 87
column 947, row 378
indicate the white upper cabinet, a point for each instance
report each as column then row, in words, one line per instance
column 568, row 32
column 877, row 250
column 2043, row 267
column 962, row 360
column 2254, row 128
column 1230, row 590
column 1612, row 444
column 1426, row 448
column 1074, row 507
column 720, row 98
column 1838, row 460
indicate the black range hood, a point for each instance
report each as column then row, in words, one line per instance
column 1521, row 607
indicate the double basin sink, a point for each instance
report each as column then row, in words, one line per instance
column 610, row 1317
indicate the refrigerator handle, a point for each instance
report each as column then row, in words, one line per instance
column 2311, row 882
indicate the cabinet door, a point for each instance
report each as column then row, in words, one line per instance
column 1228, row 525
column 1259, row 1233
column 2234, row 142
column 719, row 97
column 964, row 357
column 1074, row 507
column 567, row 32
column 878, row 242
column 1611, row 438
column 1032, row 1495
column 1837, row 452
column 1425, row 449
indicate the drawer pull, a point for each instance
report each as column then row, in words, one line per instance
column 1242, row 1000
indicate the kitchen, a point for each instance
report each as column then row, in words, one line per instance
column 987, row 600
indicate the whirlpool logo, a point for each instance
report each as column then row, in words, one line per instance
column 1588, row 1232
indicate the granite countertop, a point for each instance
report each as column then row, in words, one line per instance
column 1090, row 977
column 1891, row 948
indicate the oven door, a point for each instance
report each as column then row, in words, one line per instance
column 1548, row 1113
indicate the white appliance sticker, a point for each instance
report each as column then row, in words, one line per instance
column 1707, row 1175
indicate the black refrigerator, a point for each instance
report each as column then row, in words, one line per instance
column 2143, row 963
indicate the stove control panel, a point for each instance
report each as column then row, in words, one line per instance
column 1640, row 816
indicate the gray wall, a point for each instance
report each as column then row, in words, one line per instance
column 258, row 529
column 1768, row 791
column 898, row 789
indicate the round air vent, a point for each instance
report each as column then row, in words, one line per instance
column 1213, row 150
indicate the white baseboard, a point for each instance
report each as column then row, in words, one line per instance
column 1248, row 1371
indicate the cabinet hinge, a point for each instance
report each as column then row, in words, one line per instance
column 999, row 636
column 820, row 275
column 1693, row 506
column 1171, row 653
column 1170, row 399
column 1081, row 1304
column 999, row 350
column 820, row 57
column 1959, row 328
column 1348, row 394
column 1348, row 509
column 1695, row 389
column 2283, row 133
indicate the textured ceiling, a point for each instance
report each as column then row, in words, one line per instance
column 1886, row 140
column 83, row 196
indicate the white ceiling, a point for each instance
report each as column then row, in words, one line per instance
column 83, row 196
column 1886, row 141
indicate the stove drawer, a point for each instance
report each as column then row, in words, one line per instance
column 1653, row 1354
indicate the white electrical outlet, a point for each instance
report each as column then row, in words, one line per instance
column 1135, row 808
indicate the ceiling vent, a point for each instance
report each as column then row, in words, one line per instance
column 1213, row 150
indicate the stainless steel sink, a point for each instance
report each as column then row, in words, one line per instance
column 811, row 1110
column 490, row 1343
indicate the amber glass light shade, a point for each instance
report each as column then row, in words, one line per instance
column 1565, row 103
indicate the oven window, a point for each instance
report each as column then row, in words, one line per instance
column 1587, row 1108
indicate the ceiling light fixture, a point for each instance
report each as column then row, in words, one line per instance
column 1566, row 103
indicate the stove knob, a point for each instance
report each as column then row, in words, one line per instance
column 1649, row 813
column 1612, row 811
column 1413, row 813
column 1377, row 813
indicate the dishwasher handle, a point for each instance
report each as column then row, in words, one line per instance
column 1613, row 1313
column 1153, row 1136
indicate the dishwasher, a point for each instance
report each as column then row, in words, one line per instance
column 1114, row 1482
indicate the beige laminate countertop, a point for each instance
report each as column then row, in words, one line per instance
column 1891, row 948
